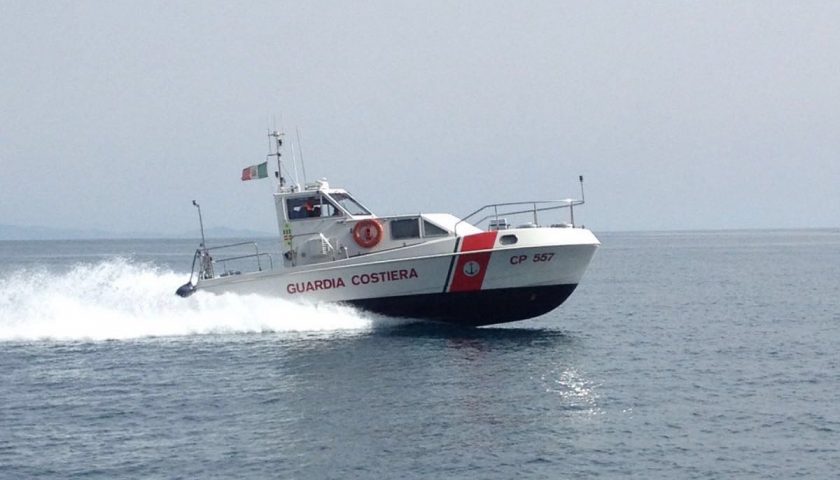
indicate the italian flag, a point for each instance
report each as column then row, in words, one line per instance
column 255, row 171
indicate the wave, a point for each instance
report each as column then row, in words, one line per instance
column 118, row 299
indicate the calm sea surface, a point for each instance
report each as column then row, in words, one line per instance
column 681, row 355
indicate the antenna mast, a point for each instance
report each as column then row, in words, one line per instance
column 582, row 197
column 201, row 223
column 294, row 162
column 278, row 142
column 300, row 149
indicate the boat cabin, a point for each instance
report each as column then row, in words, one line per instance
column 322, row 224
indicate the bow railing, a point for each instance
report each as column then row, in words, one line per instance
column 498, row 213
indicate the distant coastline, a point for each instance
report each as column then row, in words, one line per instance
column 19, row 233
column 27, row 232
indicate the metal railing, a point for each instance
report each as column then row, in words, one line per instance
column 515, row 208
column 206, row 262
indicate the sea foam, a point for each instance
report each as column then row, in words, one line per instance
column 118, row 299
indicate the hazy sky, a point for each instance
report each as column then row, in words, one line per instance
column 680, row 115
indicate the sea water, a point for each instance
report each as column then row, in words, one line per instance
column 681, row 355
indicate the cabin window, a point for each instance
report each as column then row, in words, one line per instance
column 347, row 203
column 312, row 206
column 405, row 228
column 330, row 210
column 432, row 230
column 508, row 239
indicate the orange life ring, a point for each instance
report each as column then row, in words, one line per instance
column 368, row 233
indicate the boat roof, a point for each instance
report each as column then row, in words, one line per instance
column 449, row 222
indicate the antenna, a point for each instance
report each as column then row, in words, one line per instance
column 300, row 149
column 582, row 197
column 201, row 223
column 279, row 143
column 294, row 163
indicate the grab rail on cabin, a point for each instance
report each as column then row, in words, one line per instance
column 501, row 210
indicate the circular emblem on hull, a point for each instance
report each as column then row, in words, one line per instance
column 471, row 268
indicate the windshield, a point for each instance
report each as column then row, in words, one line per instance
column 347, row 203
column 312, row 206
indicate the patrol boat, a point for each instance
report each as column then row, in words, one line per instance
column 477, row 270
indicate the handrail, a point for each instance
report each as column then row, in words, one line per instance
column 206, row 262
column 256, row 253
column 566, row 203
column 224, row 261
column 234, row 245
column 519, row 212
column 304, row 235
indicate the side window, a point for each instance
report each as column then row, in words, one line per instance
column 432, row 230
column 405, row 228
column 349, row 204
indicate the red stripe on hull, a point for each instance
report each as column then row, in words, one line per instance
column 479, row 241
column 471, row 268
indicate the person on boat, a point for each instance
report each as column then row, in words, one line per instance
column 206, row 263
column 311, row 210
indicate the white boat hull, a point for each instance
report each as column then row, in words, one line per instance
column 480, row 279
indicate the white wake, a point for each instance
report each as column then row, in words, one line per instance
column 118, row 299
